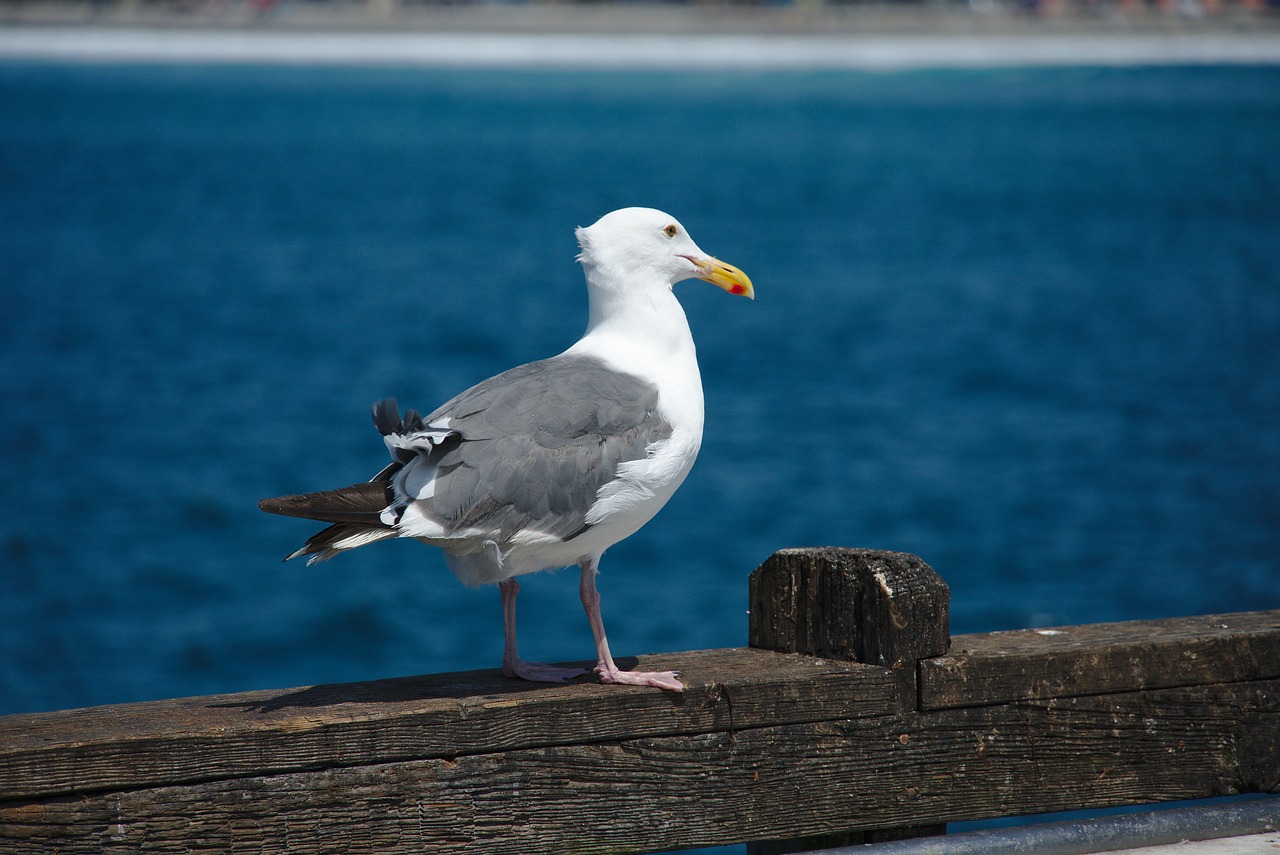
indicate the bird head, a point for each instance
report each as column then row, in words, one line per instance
column 645, row 244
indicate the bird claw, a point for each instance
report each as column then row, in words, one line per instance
column 668, row 680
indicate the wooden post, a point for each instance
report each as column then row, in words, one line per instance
column 858, row 605
column 855, row 605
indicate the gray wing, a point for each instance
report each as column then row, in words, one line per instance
column 526, row 450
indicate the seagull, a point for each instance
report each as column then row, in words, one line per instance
column 549, row 464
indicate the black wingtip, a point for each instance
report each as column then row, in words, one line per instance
column 386, row 416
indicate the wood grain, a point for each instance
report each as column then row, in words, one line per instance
column 446, row 715
column 862, row 605
column 646, row 794
column 1068, row 661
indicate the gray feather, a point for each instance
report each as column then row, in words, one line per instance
column 536, row 445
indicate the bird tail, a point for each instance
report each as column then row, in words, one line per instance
column 339, row 538
column 359, row 503
column 355, row 510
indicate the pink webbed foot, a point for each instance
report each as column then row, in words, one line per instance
column 609, row 671
column 512, row 665
column 669, row 680
column 536, row 672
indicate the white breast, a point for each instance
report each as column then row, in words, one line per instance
column 657, row 347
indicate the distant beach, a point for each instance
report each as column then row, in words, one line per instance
column 885, row 51
column 981, row 33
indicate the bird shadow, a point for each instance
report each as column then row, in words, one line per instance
column 488, row 684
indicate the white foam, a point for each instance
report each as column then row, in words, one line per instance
column 740, row 52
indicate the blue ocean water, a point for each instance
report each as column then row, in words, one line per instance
column 1024, row 323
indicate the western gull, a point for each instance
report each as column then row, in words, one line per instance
column 550, row 463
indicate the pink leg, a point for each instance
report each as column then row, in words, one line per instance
column 511, row 664
column 608, row 671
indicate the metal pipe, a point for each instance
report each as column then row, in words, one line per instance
column 1103, row 834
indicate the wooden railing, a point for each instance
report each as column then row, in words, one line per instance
column 852, row 716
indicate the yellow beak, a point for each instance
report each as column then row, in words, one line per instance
column 725, row 276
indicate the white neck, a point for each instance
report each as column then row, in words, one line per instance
column 643, row 331
column 649, row 314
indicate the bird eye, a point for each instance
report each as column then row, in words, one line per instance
column 671, row 231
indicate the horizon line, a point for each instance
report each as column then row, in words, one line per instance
column 638, row 51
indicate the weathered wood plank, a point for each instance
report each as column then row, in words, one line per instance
column 861, row 605
column 998, row 667
column 443, row 716
column 648, row 794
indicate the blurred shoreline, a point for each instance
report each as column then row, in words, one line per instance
column 805, row 17
column 800, row 35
